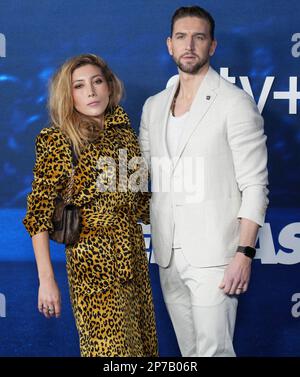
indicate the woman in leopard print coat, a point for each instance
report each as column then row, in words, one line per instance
column 107, row 268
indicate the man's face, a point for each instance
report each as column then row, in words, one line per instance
column 190, row 44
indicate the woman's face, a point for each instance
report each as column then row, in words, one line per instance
column 90, row 91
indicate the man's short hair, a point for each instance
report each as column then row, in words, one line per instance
column 194, row 11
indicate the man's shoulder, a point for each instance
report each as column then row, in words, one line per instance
column 158, row 97
column 234, row 98
column 231, row 91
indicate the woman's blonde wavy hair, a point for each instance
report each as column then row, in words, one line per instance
column 79, row 128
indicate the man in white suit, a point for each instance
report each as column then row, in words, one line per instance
column 204, row 141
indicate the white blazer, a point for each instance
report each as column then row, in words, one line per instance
column 219, row 173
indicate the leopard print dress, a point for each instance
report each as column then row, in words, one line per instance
column 107, row 268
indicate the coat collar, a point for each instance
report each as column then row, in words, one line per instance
column 116, row 117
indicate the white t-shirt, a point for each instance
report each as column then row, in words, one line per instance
column 175, row 128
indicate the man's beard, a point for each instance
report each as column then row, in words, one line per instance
column 192, row 69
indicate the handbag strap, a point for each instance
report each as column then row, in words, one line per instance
column 70, row 183
column 74, row 157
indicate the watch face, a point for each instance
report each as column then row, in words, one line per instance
column 249, row 251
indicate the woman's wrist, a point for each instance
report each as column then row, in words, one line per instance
column 46, row 277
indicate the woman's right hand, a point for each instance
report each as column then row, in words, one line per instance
column 49, row 300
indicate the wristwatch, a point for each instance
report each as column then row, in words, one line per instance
column 247, row 250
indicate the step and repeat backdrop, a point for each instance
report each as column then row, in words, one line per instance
column 258, row 49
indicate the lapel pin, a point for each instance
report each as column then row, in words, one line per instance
column 208, row 98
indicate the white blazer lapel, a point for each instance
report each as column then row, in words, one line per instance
column 164, row 116
column 204, row 99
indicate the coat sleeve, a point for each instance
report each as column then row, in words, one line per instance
column 245, row 131
column 139, row 173
column 49, row 173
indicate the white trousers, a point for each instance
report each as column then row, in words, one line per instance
column 203, row 316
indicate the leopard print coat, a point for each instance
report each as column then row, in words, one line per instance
column 107, row 268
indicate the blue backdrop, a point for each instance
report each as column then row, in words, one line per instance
column 258, row 48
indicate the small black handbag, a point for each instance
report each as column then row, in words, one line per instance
column 66, row 217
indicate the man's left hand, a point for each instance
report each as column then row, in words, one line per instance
column 237, row 275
